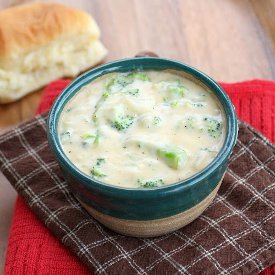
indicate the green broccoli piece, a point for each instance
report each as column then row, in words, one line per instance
column 120, row 81
column 97, row 138
column 156, row 120
column 65, row 136
column 123, row 80
column 133, row 92
column 97, row 173
column 110, row 84
column 87, row 138
column 174, row 157
column 165, row 99
column 208, row 150
column 139, row 75
column 190, row 123
column 105, row 95
column 102, row 99
column 197, row 104
column 100, row 161
column 174, row 103
column 176, row 90
column 173, row 92
column 213, row 126
column 122, row 122
column 150, row 183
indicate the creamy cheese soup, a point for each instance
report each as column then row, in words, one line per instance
column 142, row 129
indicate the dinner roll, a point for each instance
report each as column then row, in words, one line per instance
column 41, row 42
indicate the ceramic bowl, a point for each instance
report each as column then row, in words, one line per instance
column 152, row 211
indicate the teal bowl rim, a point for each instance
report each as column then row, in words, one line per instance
column 154, row 63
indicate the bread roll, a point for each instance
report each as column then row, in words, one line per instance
column 42, row 42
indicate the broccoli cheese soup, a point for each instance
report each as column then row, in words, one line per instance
column 142, row 129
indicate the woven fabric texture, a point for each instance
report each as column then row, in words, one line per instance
column 48, row 256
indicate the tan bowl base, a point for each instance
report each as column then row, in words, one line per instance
column 152, row 228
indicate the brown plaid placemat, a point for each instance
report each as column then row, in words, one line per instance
column 234, row 235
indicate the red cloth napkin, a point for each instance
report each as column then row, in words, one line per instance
column 33, row 250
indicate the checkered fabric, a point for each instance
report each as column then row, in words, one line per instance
column 234, row 235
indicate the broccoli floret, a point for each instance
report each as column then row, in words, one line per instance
column 102, row 99
column 96, row 173
column 65, row 136
column 187, row 104
column 105, row 95
column 139, row 75
column 122, row 122
column 210, row 125
column 97, row 137
column 156, row 120
column 174, row 103
column 176, row 89
column 87, row 138
column 190, row 104
column 150, row 183
column 190, row 123
column 197, row 104
column 213, row 126
column 123, row 80
column 110, row 84
column 120, row 81
column 133, row 92
column 174, row 157
column 172, row 92
column 208, row 150
column 100, row 161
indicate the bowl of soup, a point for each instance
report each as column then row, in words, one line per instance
column 143, row 143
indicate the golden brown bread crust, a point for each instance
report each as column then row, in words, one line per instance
column 42, row 42
column 27, row 27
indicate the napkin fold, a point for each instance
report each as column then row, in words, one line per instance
column 235, row 234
